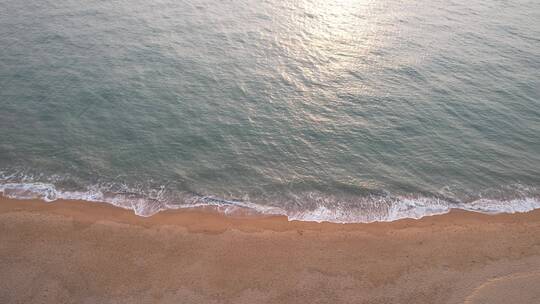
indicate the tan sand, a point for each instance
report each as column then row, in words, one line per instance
column 79, row 252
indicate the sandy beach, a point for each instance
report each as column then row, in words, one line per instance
column 79, row 252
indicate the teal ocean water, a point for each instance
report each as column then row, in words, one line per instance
column 324, row 110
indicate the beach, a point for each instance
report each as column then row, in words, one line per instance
column 81, row 252
column 246, row 152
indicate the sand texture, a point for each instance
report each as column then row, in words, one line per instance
column 79, row 252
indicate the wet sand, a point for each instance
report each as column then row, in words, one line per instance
column 80, row 252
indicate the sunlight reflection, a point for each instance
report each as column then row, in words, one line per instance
column 335, row 36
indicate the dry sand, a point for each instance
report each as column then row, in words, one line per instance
column 79, row 252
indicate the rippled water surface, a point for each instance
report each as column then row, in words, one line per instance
column 337, row 110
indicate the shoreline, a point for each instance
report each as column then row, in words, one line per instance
column 390, row 209
column 73, row 251
column 204, row 215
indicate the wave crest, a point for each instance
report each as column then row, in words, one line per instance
column 370, row 209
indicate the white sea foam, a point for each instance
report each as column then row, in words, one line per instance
column 495, row 206
column 372, row 210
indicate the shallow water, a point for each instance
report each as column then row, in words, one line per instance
column 335, row 110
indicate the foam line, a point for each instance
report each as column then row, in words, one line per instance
column 381, row 210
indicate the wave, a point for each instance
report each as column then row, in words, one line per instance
column 370, row 208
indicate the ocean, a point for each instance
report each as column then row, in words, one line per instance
column 320, row 110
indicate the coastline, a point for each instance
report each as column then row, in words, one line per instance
column 376, row 209
column 76, row 252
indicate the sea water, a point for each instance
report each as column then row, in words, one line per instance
column 323, row 110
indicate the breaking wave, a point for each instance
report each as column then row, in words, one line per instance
column 322, row 209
